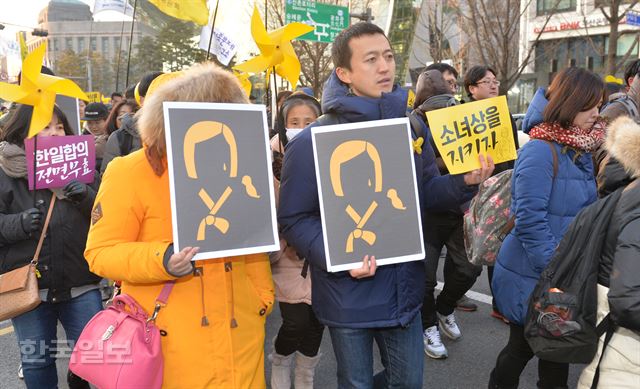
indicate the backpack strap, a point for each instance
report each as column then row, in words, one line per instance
column 416, row 127
column 554, row 153
column 605, row 326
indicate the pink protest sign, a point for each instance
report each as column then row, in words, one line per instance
column 60, row 160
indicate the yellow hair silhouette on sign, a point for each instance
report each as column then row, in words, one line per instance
column 344, row 153
column 196, row 134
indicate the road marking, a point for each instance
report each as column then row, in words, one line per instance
column 480, row 297
column 6, row 330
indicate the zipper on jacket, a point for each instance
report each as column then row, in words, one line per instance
column 198, row 272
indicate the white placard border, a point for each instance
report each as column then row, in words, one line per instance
column 166, row 106
column 354, row 126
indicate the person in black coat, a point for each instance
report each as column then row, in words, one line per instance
column 619, row 270
column 68, row 290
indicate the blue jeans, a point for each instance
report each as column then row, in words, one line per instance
column 400, row 351
column 37, row 336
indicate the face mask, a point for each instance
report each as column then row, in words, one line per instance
column 292, row 132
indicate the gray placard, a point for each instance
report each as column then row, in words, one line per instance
column 368, row 193
column 221, row 195
column 69, row 105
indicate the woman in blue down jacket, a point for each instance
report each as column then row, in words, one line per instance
column 544, row 207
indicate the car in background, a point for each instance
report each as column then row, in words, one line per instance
column 522, row 137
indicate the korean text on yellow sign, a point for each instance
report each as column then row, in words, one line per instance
column 94, row 97
column 465, row 131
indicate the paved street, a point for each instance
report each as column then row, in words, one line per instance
column 468, row 366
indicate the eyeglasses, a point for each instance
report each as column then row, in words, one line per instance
column 492, row 82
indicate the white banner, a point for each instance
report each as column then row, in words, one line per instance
column 121, row 6
column 9, row 47
column 222, row 46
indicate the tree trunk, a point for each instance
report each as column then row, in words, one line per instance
column 613, row 37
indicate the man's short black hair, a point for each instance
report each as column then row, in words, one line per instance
column 340, row 52
column 116, row 94
column 443, row 67
column 476, row 74
column 146, row 81
column 631, row 70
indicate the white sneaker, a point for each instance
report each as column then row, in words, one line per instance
column 433, row 346
column 449, row 326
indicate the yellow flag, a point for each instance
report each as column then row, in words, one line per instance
column 23, row 45
column 192, row 10
column 465, row 131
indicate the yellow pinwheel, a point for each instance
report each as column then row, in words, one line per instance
column 245, row 83
column 39, row 90
column 275, row 49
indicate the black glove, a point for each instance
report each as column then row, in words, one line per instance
column 31, row 220
column 75, row 191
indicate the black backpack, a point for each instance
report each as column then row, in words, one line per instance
column 561, row 317
column 628, row 104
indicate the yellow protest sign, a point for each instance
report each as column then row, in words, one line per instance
column 94, row 97
column 23, row 45
column 465, row 131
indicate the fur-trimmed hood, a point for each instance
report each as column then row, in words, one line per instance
column 202, row 83
column 623, row 143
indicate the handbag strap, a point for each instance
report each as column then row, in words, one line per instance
column 165, row 292
column 44, row 230
column 161, row 300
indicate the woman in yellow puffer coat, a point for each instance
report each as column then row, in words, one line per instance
column 215, row 316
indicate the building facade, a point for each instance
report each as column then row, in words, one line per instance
column 573, row 33
column 70, row 26
column 439, row 37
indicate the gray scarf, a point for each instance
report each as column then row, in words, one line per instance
column 13, row 160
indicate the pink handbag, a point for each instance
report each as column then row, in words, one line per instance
column 120, row 346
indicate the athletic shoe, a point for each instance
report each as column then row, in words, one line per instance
column 465, row 304
column 433, row 346
column 449, row 326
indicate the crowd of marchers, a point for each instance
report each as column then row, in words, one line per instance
column 584, row 145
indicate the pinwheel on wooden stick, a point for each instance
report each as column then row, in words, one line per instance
column 276, row 51
column 39, row 90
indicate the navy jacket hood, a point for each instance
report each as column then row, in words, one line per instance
column 338, row 99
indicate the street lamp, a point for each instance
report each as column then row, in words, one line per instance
column 40, row 32
column 365, row 16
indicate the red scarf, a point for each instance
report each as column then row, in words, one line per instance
column 572, row 136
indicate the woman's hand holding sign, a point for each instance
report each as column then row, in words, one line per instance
column 476, row 177
column 179, row 264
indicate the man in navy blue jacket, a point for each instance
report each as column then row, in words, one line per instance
column 366, row 303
